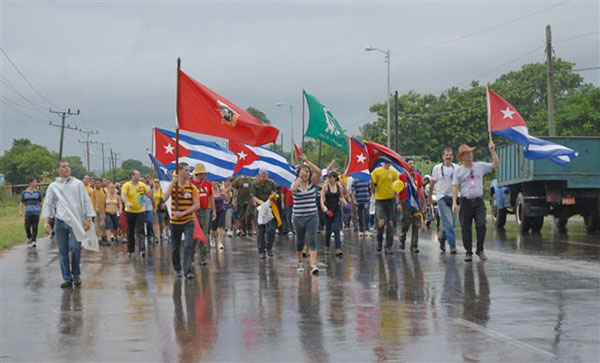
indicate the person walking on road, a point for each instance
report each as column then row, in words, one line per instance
column 261, row 190
column 331, row 197
column 206, row 211
column 183, row 206
column 383, row 178
column 411, row 216
column 362, row 193
column 132, row 195
column 112, row 207
column 245, row 208
column 29, row 207
column 69, row 203
column 305, row 212
column 441, row 186
column 468, row 179
column 98, row 196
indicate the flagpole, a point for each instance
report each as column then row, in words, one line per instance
column 487, row 96
column 177, row 138
column 303, row 120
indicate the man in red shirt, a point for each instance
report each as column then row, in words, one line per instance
column 410, row 217
column 207, row 206
column 287, row 204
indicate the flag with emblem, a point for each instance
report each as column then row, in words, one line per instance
column 322, row 125
column 358, row 163
column 250, row 159
column 204, row 111
column 218, row 161
column 505, row 120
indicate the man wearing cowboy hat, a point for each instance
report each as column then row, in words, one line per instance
column 468, row 179
column 207, row 205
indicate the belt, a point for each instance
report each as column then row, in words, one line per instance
column 465, row 198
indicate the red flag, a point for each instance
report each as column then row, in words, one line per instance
column 358, row 165
column 377, row 151
column 165, row 148
column 203, row 111
column 245, row 155
column 299, row 154
column 198, row 233
column 501, row 114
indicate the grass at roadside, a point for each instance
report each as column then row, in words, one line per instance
column 11, row 223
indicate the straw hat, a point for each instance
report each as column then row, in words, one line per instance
column 199, row 169
column 463, row 149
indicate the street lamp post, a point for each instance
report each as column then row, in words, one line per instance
column 387, row 97
column 279, row 104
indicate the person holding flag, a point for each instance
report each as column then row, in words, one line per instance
column 206, row 211
column 185, row 202
column 383, row 178
column 410, row 216
column 261, row 190
column 468, row 179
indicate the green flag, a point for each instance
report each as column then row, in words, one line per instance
column 322, row 124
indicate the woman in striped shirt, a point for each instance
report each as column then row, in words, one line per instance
column 305, row 219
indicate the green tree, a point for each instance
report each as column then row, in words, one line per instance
column 131, row 164
column 259, row 115
column 26, row 160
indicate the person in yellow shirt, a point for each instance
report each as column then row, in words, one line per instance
column 158, row 210
column 87, row 181
column 383, row 178
column 97, row 198
column 132, row 195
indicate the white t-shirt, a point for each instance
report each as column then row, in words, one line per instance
column 470, row 181
column 443, row 176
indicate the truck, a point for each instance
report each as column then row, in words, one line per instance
column 533, row 189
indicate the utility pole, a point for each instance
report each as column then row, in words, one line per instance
column 550, row 91
column 396, row 135
column 87, row 143
column 102, row 145
column 63, row 127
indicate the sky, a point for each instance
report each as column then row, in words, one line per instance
column 115, row 61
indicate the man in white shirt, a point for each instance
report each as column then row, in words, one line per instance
column 69, row 203
column 468, row 178
column 441, row 186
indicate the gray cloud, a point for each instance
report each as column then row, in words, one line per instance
column 116, row 61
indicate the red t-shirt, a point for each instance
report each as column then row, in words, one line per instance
column 418, row 183
column 288, row 197
column 204, row 192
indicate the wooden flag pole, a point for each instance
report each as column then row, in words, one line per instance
column 302, row 120
column 177, row 138
column 487, row 96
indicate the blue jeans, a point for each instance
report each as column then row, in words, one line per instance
column 448, row 222
column 333, row 224
column 266, row 231
column 188, row 246
column 306, row 225
column 362, row 211
column 149, row 220
column 288, row 217
column 386, row 215
column 65, row 239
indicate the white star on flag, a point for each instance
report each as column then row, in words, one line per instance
column 242, row 155
column 169, row 149
column 507, row 113
column 361, row 158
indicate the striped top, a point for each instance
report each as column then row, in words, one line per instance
column 185, row 195
column 305, row 203
column 361, row 191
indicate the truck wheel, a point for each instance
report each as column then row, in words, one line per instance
column 498, row 214
column 523, row 222
column 536, row 223
column 561, row 224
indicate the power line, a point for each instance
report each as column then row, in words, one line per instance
column 576, row 37
column 468, row 35
column 18, row 104
column 11, row 108
column 25, row 78
column 10, row 86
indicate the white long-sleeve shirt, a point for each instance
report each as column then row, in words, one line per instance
column 67, row 200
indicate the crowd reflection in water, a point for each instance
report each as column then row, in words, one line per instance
column 309, row 321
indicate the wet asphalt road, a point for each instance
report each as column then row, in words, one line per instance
column 536, row 299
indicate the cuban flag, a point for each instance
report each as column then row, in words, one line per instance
column 218, row 161
column 358, row 164
column 505, row 120
column 378, row 154
column 250, row 159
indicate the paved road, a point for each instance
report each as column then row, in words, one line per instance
column 536, row 299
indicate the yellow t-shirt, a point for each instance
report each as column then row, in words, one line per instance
column 89, row 190
column 383, row 180
column 157, row 195
column 135, row 196
column 98, row 200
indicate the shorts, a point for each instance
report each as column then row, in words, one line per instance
column 160, row 215
column 112, row 221
column 219, row 222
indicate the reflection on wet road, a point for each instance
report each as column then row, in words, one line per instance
column 536, row 299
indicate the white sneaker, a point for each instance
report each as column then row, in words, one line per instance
column 212, row 243
column 314, row 270
column 33, row 244
column 221, row 247
column 290, row 233
column 229, row 234
column 300, row 267
column 360, row 234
